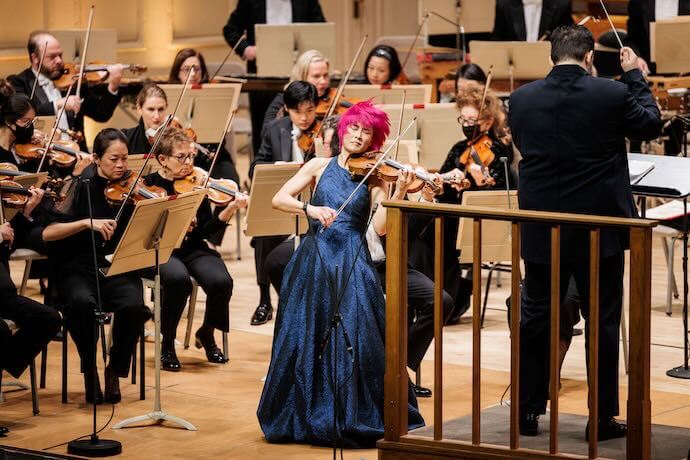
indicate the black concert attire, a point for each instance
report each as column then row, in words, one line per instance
column 421, row 250
column 570, row 129
column 509, row 21
column 247, row 14
column 37, row 325
column 99, row 103
column 194, row 258
column 73, row 271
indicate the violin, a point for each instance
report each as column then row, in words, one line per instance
column 62, row 152
column 191, row 135
column 116, row 190
column 94, row 73
column 15, row 196
column 325, row 102
column 479, row 153
column 220, row 191
column 389, row 169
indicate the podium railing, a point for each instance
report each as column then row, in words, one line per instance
column 398, row 444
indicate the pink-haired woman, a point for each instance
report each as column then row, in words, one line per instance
column 332, row 269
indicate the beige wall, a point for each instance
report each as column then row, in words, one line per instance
column 151, row 31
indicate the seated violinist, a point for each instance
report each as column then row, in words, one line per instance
column 70, row 252
column 175, row 154
column 280, row 145
column 490, row 129
column 98, row 103
column 186, row 60
column 312, row 67
column 382, row 66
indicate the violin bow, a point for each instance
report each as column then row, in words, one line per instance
column 157, row 140
column 82, row 67
column 40, row 67
column 613, row 28
column 378, row 163
column 419, row 32
column 221, row 142
column 481, row 105
column 397, row 144
column 227, row 56
column 53, row 131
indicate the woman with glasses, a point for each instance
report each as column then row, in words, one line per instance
column 194, row 257
column 186, row 60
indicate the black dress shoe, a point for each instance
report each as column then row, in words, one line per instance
column 88, row 389
column 608, row 429
column 112, row 387
column 262, row 314
column 213, row 353
column 421, row 392
column 169, row 361
column 3, row 431
column 529, row 424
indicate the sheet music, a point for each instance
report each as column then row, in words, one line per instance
column 638, row 169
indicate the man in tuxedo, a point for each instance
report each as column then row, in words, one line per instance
column 242, row 21
column 279, row 145
column 640, row 14
column 96, row 103
column 529, row 20
column 570, row 129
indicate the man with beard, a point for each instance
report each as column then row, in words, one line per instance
column 98, row 103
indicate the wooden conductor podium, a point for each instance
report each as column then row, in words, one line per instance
column 156, row 228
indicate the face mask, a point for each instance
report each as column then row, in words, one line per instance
column 23, row 134
column 469, row 131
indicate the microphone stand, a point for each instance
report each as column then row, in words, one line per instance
column 94, row 446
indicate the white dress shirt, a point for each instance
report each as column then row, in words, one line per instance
column 297, row 153
column 278, row 11
column 54, row 96
column 665, row 9
column 532, row 9
column 375, row 245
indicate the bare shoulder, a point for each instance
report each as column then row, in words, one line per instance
column 316, row 165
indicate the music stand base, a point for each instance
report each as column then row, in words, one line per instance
column 157, row 417
column 680, row 372
column 95, row 448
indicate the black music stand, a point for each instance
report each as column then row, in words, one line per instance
column 669, row 179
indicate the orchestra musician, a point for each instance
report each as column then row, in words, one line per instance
column 70, row 251
column 311, row 66
column 152, row 105
column 382, row 65
column 297, row 400
column 98, row 103
column 529, row 20
column 242, row 20
column 279, row 145
column 185, row 60
column 570, row 129
column 193, row 258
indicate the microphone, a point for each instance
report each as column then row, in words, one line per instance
column 504, row 160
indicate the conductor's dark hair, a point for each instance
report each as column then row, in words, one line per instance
column 571, row 42
column 298, row 92
column 105, row 139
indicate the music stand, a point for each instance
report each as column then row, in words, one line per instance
column 390, row 94
column 475, row 15
column 136, row 161
column 26, row 181
column 513, row 60
column 156, row 228
column 44, row 123
column 102, row 44
column 262, row 219
column 279, row 46
column 669, row 179
column 205, row 107
column 669, row 44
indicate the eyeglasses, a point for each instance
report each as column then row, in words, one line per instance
column 187, row 68
column 467, row 121
column 25, row 122
column 185, row 158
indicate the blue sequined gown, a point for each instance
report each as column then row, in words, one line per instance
column 297, row 400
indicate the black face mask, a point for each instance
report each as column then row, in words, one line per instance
column 469, row 131
column 23, row 134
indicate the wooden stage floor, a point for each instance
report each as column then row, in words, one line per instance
column 222, row 399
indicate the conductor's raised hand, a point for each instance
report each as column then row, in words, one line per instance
column 323, row 214
column 106, row 227
column 629, row 60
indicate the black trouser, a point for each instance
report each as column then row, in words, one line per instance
column 420, row 312
column 263, row 245
column 534, row 329
column 37, row 324
column 277, row 260
column 120, row 294
column 210, row 273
